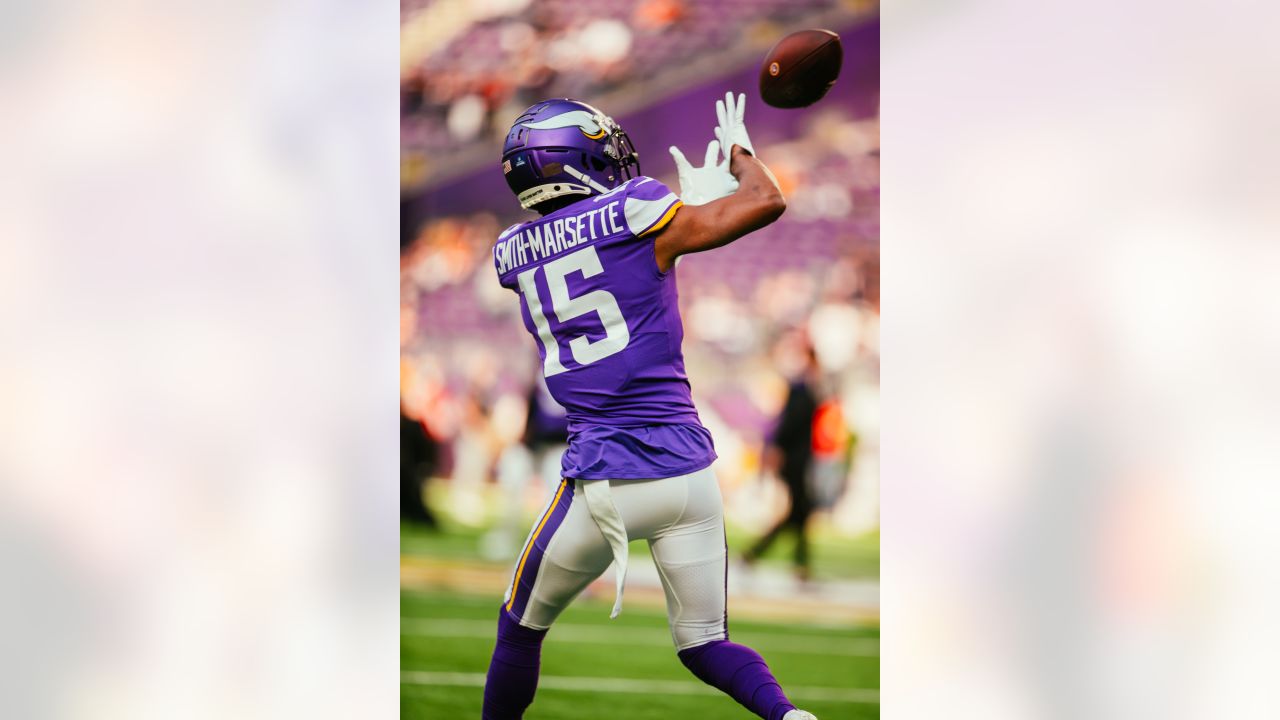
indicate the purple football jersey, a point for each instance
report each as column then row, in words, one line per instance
column 607, row 325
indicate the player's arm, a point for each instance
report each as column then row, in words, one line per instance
column 695, row 228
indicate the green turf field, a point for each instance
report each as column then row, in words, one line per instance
column 594, row 668
column 624, row 669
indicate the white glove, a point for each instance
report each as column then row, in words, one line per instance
column 732, row 131
column 699, row 186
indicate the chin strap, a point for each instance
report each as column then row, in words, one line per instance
column 543, row 193
column 585, row 178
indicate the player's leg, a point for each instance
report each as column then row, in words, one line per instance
column 761, row 545
column 801, row 523
column 787, row 522
column 692, row 560
column 564, row 553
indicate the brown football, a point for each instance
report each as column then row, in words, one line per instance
column 801, row 68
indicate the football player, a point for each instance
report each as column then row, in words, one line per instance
column 597, row 286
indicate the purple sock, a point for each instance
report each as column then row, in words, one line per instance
column 741, row 673
column 513, row 672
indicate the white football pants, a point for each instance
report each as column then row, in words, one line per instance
column 570, row 546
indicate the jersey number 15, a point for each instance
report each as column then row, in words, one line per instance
column 600, row 302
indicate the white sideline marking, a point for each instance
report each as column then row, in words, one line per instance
column 639, row 687
column 596, row 634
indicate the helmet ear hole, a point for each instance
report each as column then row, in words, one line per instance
column 597, row 163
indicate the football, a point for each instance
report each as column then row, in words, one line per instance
column 801, row 68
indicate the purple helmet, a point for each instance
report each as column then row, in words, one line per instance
column 565, row 147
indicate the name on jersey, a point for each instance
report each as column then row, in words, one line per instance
column 542, row 240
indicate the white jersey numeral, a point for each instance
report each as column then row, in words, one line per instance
column 551, row 364
column 566, row 308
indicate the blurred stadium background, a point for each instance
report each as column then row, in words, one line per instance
column 479, row 445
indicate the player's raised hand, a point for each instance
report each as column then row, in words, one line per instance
column 712, row 181
column 732, row 130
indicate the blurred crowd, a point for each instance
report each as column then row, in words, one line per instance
column 468, row 66
column 757, row 313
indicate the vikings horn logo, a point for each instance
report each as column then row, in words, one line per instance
column 583, row 120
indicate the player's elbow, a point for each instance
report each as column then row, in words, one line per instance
column 772, row 206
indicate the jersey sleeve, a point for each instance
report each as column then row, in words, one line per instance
column 649, row 206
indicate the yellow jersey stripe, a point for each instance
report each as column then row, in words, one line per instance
column 515, row 585
column 666, row 218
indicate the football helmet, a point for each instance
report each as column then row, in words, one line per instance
column 565, row 147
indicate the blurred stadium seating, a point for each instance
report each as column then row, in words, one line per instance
column 467, row 68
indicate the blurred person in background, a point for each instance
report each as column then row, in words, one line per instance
column 833, row 451
column 418, row 455
column 538, row 453
column 790, row 452
column 597, row 283
column 546, row 432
